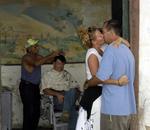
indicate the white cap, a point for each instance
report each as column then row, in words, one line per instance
column 31, row 42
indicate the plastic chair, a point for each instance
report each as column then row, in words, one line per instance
column 54, row 117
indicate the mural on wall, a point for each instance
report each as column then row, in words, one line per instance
column 53, row 22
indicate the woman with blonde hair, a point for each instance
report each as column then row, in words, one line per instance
column 89, row 113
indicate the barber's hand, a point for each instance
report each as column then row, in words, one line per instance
column 123, row 80
column 55, row 53
column 61, row 52
column 60, row 98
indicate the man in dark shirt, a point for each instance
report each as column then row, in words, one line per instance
column 29, row 85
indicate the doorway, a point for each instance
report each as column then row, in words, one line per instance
column 127, row 13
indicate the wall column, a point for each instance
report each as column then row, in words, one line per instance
column 134, row 40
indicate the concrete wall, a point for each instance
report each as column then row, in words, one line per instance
column 10, row 76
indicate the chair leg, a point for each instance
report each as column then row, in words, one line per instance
column 54, row 117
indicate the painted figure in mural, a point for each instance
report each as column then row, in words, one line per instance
column 89, row 113
column 118, row 103
column 29, row 85
column 60, row 84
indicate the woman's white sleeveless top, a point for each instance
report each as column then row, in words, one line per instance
column 89, row 52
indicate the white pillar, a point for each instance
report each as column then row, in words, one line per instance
column 144, row 65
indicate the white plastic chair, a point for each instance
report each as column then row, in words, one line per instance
column 54, row 117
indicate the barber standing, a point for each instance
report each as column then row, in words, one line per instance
column 29, row 85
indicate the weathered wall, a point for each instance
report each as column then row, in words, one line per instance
column 144, row 65
column 12, row 17
column 10, row 76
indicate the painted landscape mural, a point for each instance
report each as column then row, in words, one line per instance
column 53, row 22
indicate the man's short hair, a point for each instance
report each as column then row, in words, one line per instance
column 61, row 58
column 113, row 25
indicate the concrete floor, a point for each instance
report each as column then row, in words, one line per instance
column 38, row 129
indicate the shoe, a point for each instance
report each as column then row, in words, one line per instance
column 65, row 116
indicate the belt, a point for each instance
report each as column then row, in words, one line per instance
column 27, row 82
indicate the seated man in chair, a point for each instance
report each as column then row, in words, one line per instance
column 60, row 84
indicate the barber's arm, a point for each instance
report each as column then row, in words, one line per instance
column 47, row 59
